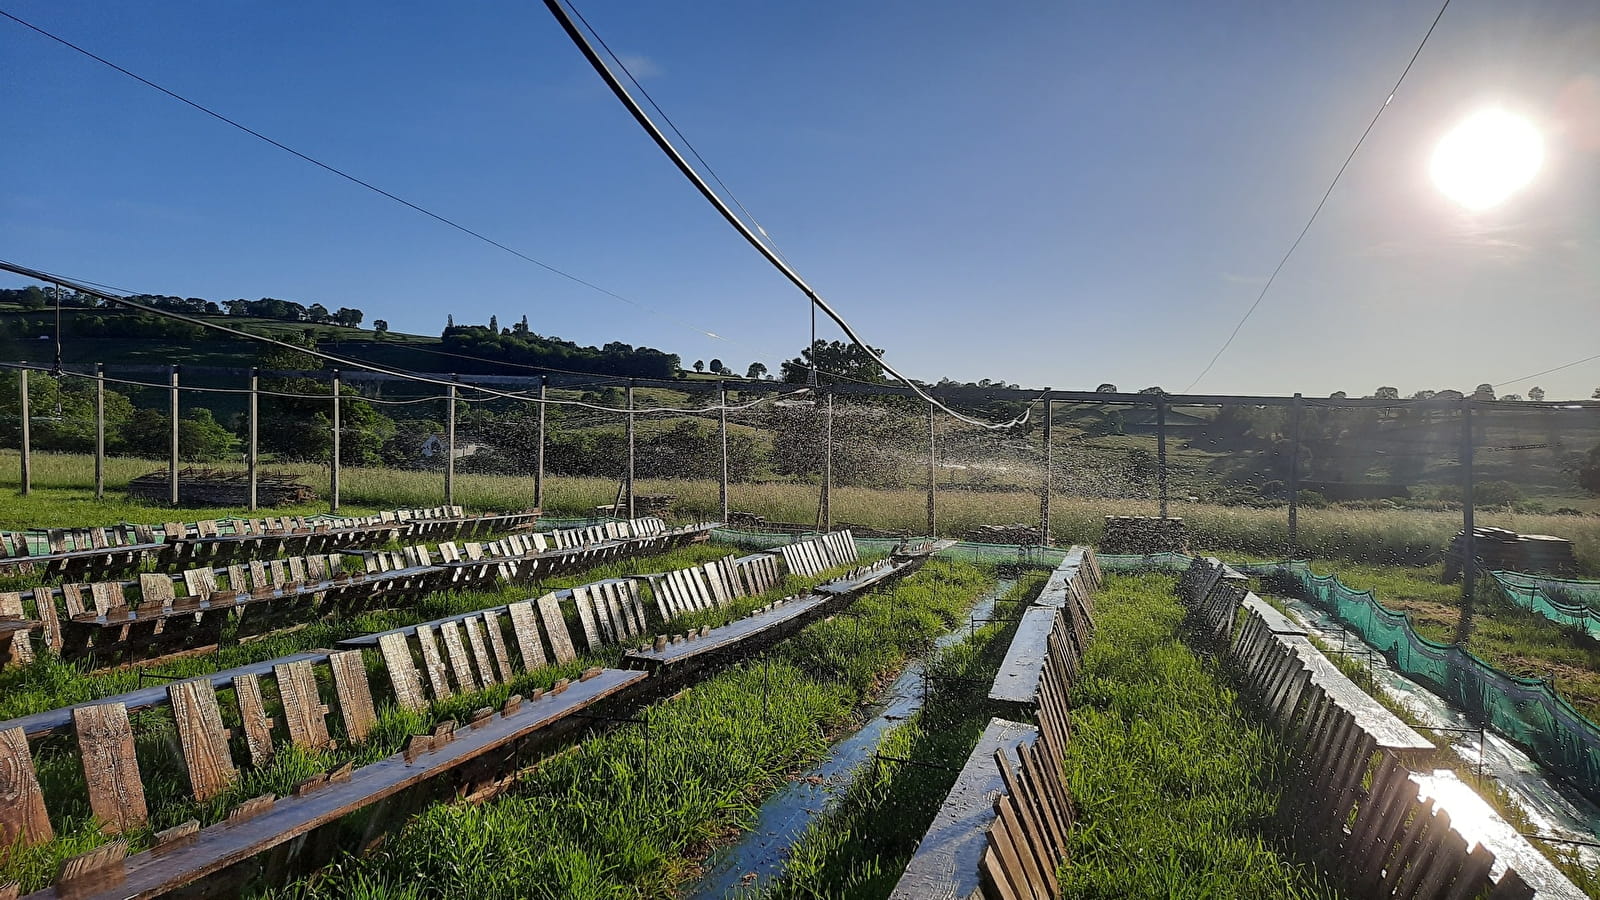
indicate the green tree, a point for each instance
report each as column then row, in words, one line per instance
column 836, row 361
column 1536, row 393
column 380, row 326
column 200, row 437
column 699, row 365
column 756, row 370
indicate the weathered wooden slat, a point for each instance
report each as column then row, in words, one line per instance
column 253, row 715
column 525, row 626
column 20, row 646
column 497, row 642
column 480, row 651
column 200, row 734
column 403, row 674
column 456, row 653
column 23, row 819
column 355, row 694
column 110, row 769
column 303, row 709
column 555, row 628
column 586, row 616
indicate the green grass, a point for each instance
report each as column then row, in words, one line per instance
column 860, row 848
column 628, row 813
column 1175, row 783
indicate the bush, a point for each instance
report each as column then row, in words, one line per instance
column 1313, row 500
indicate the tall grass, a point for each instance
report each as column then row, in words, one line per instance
column 1406, row 536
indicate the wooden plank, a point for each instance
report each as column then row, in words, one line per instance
column 253, row 714
column 456, row 653
column 403, row 674
column 1385, row 727
column 303, row 710
column 44, row 601
column 110, row 769
column 23, row 819
column 1018, row 678
column 525, row 626
column 556, row 628
column 199, row 583
column 200, row 734
column 586, row 616
column 1274, row 620
column 21, row 647
column 497, row 642
column 355, row 694
column 432, row 663
column 480, row 651
column 632, row 601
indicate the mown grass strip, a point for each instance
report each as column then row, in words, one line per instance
column 629, row 812
column 1175, row 782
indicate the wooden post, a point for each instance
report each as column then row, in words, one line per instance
column 1161, row 451
column 333, row 459
column 722, row 435
column 827, row 465
column 1294, row 476
column 172, row 462
column 251, row 451
column 26, row 475
column 1049, row 473
column 628, row 476
column 99, row 431
column 1469, row 546
column 538, row 453
column 450, row 446
column 933, row 474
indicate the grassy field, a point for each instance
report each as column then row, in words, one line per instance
column 1174, row 781
column 1389, row 536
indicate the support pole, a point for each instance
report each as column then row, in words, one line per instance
column 333, row 459
column 1161, row 451
column 538, row 453
column 252, row 457
column 172, row 462
column 450, row 446
column 933, row 474
column 628, row 477
column 1469, row 546
column 99, row 431
column 26, row 474
column 1294, row 476
column 722, row 436
column 827, row 466
column 1048, row 487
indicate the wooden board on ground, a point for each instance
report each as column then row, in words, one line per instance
column 1277, row 621
column 201, row 735
column 110, row 769
column 1018, row 678
column 1384, row 726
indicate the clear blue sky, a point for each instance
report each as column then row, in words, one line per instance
column 1048, row 193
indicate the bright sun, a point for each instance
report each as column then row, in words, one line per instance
column 1487, row 158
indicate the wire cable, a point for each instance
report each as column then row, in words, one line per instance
column 1320, row 203
column 352, row 178
column 689, row 171
column 1576, row 362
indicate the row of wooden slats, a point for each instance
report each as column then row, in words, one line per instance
column 714, row 584
column 811, row 558
column 1382, row 839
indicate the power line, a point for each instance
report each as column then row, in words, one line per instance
column 1320, row 203
column 349, row 177
column 1576, row 362
column 689, row 171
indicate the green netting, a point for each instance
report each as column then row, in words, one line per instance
column 1528, row 711
column 1564, row 600
column 964, row 550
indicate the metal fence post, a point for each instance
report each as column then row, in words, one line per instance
column 450, row 446
column 538, row 453
column 933, row 474
column 722, row 436
column 172, row 462
column 1469, row 543
column 1049, row 473
column 99, row 431
column 26, row 463
column 628, row 477
column 1294, row 476
column 333, row 459
column 1161, row 451
column 252, row 451
column 827, row 466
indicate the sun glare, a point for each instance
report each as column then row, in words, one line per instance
column 1488, row 157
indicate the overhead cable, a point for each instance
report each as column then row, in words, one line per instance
column 689, row 171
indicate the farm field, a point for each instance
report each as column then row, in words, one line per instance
column 63, row 497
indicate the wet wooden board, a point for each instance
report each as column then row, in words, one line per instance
column 110, row 769
column 402, row 669
column 555, row 628
column 59, row 720
column 947, row 860
column 456, row 653
column 480, row 651
column 1276, row 621
column 303, row 710
column 1481, row 825
column 1384, row 726
column 22, row 814
column 433, row 663
column 253, row 715
column 200, row 734
column 1018, row 678
column 355, row 694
